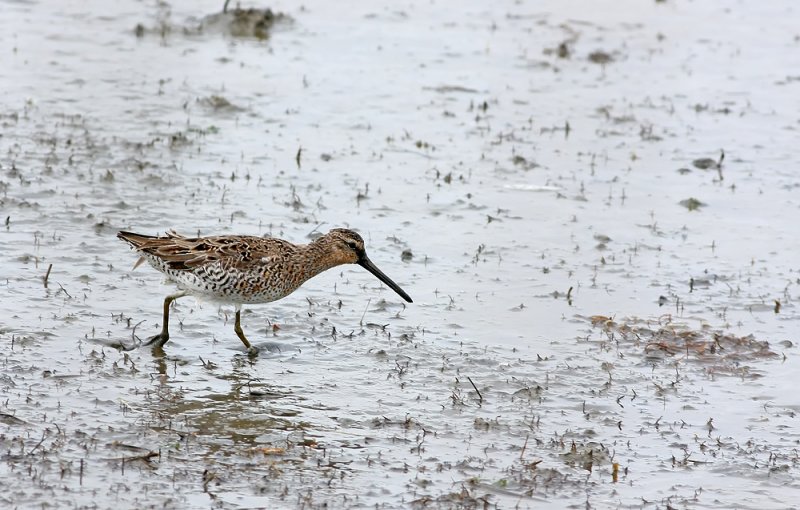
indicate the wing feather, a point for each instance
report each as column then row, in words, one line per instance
column 238, row 252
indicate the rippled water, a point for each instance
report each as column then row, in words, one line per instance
column 590, row 296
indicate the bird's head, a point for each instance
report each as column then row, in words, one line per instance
column 347, row 247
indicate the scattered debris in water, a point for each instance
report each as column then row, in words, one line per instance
column 249, row 23
column 692, row 204
column 600, row 57
column 719, row 352
column 219, row 104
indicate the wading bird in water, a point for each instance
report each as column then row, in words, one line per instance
column 241, row 270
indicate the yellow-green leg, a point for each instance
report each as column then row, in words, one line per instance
column 160, row 339
column 238, row 328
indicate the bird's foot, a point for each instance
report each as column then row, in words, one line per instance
column 158, row 341
column 252, row 351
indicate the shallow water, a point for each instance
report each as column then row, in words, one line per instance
column 513, row 168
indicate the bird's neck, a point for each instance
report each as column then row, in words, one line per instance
column 320, row 257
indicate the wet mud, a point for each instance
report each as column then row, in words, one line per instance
column 594, row 211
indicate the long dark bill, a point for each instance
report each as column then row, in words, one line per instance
column 369, row 266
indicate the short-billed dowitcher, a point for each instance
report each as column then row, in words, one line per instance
column 241, row 270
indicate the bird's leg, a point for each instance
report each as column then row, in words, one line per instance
column 161, row 338
column 238, row 328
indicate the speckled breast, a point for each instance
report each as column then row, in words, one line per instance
column 217, row 282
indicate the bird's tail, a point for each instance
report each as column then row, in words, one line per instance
column 139, row 240
column 135, row 240
column 148, row 246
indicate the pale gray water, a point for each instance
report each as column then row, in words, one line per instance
column 433, row 127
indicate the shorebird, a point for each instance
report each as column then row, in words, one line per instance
column 238, row 270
